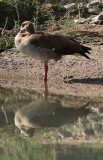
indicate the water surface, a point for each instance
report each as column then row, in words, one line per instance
column 57, row 127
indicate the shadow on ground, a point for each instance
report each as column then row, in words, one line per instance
column 97, row 81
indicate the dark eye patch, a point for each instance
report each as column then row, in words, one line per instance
column 23, row 24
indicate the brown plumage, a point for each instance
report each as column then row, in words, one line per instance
column 45, row 46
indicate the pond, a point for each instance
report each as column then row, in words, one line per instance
column 50, row 126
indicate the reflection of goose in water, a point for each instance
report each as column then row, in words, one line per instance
column 45, row 114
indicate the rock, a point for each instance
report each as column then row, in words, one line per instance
column 71, row 6
column 93, row 11
column 98, row 19
column 76, row 9
column 81, row 20
column 94, row 3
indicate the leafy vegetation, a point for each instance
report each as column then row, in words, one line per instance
column 6, row 43
column 13, row 12
column 46, row 15
column 18, row 11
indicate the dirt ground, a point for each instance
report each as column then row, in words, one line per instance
column 71, row 75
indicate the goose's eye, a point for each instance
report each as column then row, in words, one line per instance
column 23, row 25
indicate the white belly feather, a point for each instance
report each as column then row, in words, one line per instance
column 29, row 50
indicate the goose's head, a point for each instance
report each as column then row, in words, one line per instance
column 27, row 26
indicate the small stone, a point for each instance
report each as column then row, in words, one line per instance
column 93, row 3
column 93, row 11
column 71, row 6
column 81, row 20
column 98, row 19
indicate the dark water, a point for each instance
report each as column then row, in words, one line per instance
column 57, row 127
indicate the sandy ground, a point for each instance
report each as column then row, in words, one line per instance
column 71, row 75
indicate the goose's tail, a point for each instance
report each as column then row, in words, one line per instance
column 85, row 50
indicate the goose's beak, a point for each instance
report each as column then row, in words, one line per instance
column 22, row 30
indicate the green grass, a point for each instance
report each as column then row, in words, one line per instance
column 6, row 42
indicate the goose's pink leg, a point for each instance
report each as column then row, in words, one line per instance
column 45, row 79
column 46, row 71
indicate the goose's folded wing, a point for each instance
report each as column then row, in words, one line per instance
column 58, row 43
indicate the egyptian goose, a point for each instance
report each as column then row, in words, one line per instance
column 45, row 46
